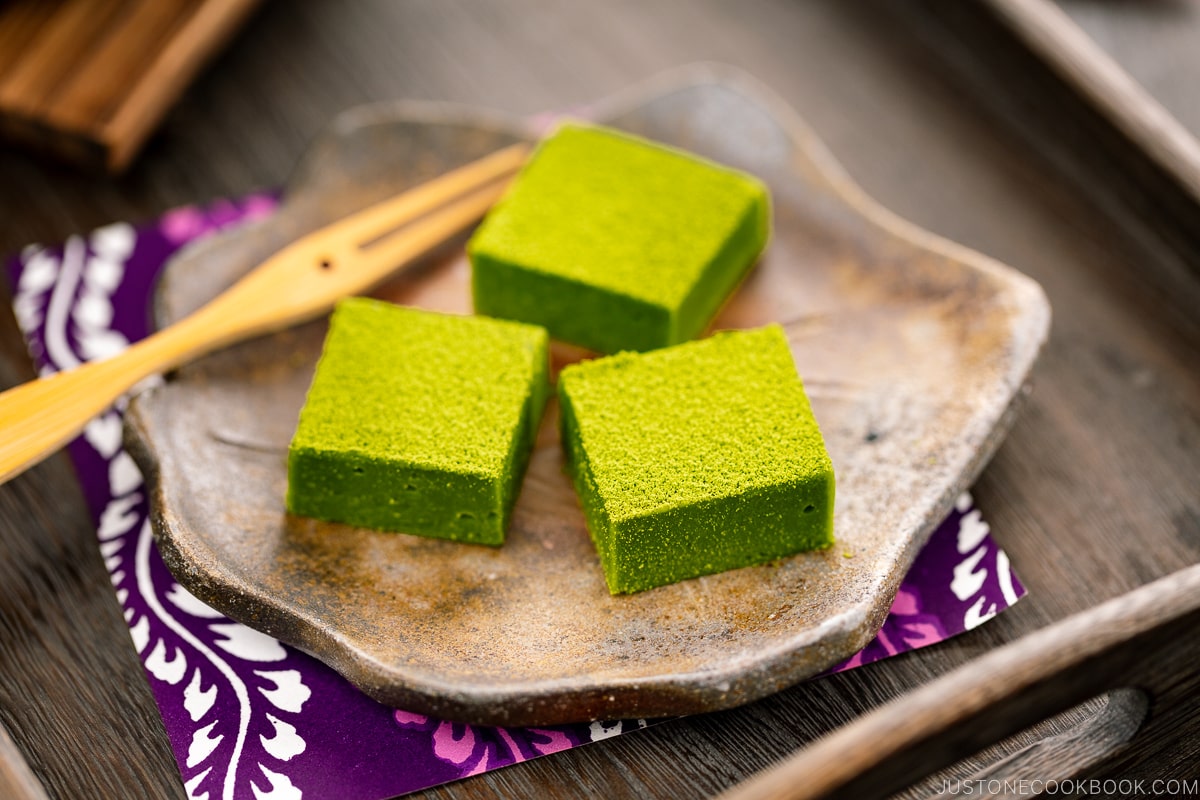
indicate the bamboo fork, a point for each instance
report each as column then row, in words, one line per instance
column 298, row 283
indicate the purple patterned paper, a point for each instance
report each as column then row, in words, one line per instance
column 249, row 717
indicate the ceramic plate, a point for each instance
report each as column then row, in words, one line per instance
column 914, row 351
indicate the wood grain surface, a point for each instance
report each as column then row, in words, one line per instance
column 1093, row 494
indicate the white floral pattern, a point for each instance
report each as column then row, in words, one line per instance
column 970, row 574
column 64, row 303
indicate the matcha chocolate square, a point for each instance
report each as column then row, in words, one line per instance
column 419, row 422
column 612, row 242
column 696, row 459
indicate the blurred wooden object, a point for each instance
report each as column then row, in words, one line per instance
column 1066, row 49
column 16, row 779
column 1033, row 71
column 88, row 80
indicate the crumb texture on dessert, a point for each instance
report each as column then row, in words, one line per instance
column 711, row 418
column 696, row 458
column 418, row 421
column 614, row 242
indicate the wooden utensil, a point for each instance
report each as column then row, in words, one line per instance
column 1140, row 649
column 299, row 282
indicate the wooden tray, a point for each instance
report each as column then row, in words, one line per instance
column 1092, row 494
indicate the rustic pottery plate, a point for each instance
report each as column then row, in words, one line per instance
column 914, row 351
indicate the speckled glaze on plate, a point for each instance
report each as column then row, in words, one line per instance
column 914, row 352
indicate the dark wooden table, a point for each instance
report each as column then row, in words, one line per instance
column 1095, row 492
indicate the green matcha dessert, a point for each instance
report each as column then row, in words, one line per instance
column 612, row 242
column 696, row 459
column 419, row 422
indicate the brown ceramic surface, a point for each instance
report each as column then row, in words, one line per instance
column 914, row 351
